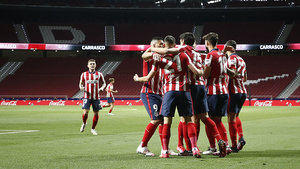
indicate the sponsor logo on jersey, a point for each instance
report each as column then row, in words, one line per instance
column 92, row 81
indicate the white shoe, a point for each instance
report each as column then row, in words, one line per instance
column 110, row 114
column 172, row 153
column 144, row 150
column 210, row 151
column 82, row 127
column 94, row 132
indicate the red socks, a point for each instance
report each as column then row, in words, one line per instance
column 212, row 128
column 210, row 136
column 84, row 118
column 180, row 134
column 110, row 110
column 197, row 129
column 186, row 137
column 95, row 121
column 192, row 134
column 149, row 131
column 166, row 136
column 222, row 130
column 239, row 127
column 232, row 132
column 160, row 130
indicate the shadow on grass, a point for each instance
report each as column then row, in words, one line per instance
column 267, row 153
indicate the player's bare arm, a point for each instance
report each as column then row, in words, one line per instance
column 147, row 55
column 165, row 51
column 81, row 85
column 207, row 71
column 145, row 78
column 103, row 84
column 196, row 71
column 246, row 76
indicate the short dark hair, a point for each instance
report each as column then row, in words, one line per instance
column 231, row 43
column 157, row 38
column 170, row 39
column 188, row 37
column 211, row 38
column 111, row 79
column 91, row 60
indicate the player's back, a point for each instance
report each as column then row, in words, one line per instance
column 218, row 79
column 237, row 63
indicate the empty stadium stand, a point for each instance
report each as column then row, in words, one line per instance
column 294, row 36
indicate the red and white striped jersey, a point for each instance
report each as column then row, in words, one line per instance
column 176, row 80
column 197, row 61
column 109, row 89
column 156, row 83
column 91, row 84
column 236, row 84
column 217, row 82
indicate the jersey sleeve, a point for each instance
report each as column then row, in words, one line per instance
column 208, row 60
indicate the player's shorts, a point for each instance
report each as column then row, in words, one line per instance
column 236, row 101
column 199, row 99
column 95, row 103
column 110, row 100
column 180, row 99
column 217, row 105
column 152, row 103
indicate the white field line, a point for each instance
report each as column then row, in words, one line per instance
column 17, row 131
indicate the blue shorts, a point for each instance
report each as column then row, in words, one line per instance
column 95, row 103
column 152, row 103
column 199, row 99
column 217, row 105
column 180, row 99
column 236, row 102
column 110, row 100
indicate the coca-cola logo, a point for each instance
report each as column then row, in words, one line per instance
column 9, row 103
column 263, row 103
column 57, row 103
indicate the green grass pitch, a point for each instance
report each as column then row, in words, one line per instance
column 272, row 135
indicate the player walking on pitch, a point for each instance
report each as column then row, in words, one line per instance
column 89, row 84
column 110, row 97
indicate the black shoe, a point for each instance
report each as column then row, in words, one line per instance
column 241, row 143
column 235, row 149
column 185, row 153
column 222, row 148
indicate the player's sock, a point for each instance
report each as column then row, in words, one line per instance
column 186, row 138
column 180, row 134
column 210, row 136
column 166, row 137
column 197, row 129
column 160, row 130
column 149, row 131
column 222, row 130
column 212, row 128
column 110, row 110
column 232, row 132
column 84, row 117
column 95, row 121
column 192, row 134
column 239, row 127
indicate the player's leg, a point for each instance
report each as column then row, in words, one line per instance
column 167, row 111
column 152, row 104
column 231, row 115
column 86, row 108
column 96, row 108
column 195, row 97
column 242, row 141
column 180, row 146
column 111, row 101
column 185, row 109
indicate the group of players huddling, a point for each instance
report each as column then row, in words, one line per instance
column 201, row 86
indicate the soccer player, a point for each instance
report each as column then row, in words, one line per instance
column 110, row 97
column 176, row 95
column 217, row 92
column 89, row 84
column 151, row 96
column 198, row 94
column 236, row 68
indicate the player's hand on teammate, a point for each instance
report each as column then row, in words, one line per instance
column 136, row 78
